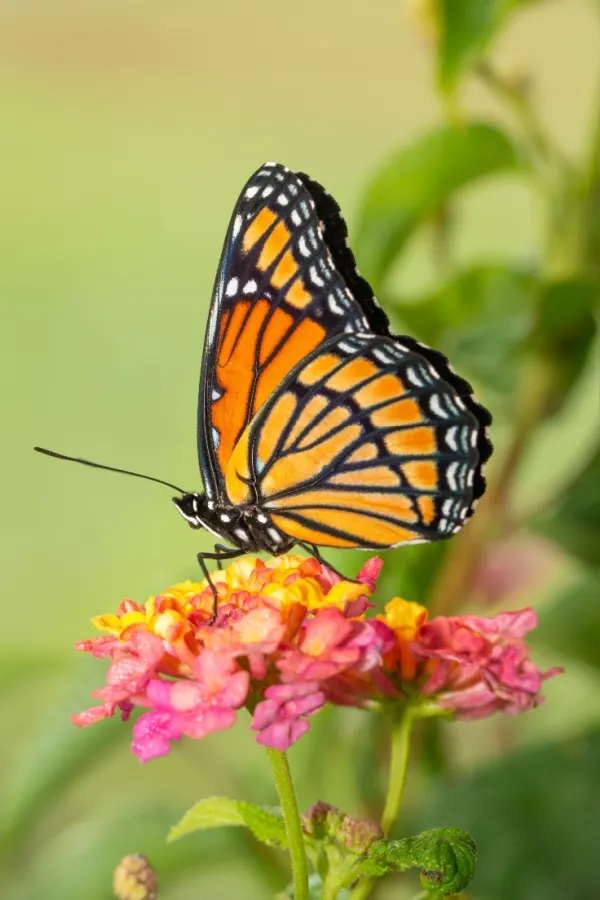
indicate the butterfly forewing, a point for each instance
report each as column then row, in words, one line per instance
column 363, row 445
column 281, row 290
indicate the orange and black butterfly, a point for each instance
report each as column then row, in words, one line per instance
column 316, row 425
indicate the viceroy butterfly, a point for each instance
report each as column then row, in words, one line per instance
column 316, row 425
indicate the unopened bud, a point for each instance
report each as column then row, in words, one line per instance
column 135, row 879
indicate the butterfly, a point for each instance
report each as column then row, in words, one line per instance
column 317, row 425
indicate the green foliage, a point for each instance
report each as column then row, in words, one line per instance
column 535, row 818
column 216, row 812
column 466, row 29
column 570, row 625
column 564, row 331
column 446, row 857
column 574, row 520
column 481, row 318
column 418, row 180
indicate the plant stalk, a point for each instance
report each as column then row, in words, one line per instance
column 291, row 817
column 400, row 755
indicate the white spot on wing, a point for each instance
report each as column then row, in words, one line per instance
column 282, row 200
column 413, row 377
column 451, row 473
column 237, row 224
column 250, row 287
column 232, row 287
column 382, row 356
column 435, row 405
column 451, row 438
column 334, row 306
column 216, row 437
column 251, row 192
column 296, row 219
column 303, row 246
column 315, row 277
column 267, row 191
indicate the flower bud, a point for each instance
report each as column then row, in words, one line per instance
column 135, row 879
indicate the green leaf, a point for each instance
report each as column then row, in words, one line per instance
column 565, row 329
column 571, row 624
column 535, row 819
column 574, row 521
column 466, row 29
column 216, row 812
column 480, row 319
column 446, row 857
column 413, row 185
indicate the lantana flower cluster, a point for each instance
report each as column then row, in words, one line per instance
column 288, row 637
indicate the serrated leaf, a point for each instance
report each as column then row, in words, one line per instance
column 446, row 857
column 466, row 29
column 418, row 180
column 217, row 812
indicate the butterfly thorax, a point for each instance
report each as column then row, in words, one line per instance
column 249, row 528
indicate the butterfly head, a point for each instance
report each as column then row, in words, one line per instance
column 193, row 508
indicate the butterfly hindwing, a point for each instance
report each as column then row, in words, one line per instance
column 282, row 288
column 364, row 444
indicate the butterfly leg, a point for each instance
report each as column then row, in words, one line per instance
column 312, row 548
column 221, row 553
column 222, row 550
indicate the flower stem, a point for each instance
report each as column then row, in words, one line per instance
column 291, row 817
column 401, row 737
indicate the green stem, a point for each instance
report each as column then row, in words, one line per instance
column 539, row 145
column 291, row 818
column 400, row 754
column 401, row 737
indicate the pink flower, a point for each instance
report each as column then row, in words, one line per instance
column 481, row 665
column 289, row 636
column 281, row 719
column 134, row 664
column 194, row 708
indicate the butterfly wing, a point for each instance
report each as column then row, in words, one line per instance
column 365, row 444
column 286, row 282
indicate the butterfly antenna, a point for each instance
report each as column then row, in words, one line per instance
column 94, row 465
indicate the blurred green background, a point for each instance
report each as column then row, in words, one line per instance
column 126, row 131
